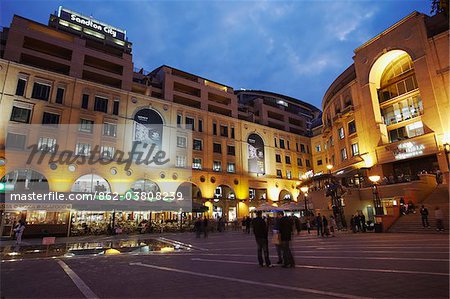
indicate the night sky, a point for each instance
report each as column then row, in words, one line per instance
column 296, row 48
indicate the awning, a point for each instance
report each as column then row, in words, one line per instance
column 199, row 208
column 349, row 171
column 267, row 208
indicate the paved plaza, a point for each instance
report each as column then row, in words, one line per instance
column 225, row 266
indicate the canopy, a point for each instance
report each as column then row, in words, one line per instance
column 291, row 206
column 267, row 208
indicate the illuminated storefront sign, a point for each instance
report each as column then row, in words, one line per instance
column 408, row 150
column 90, row 23
column 256, row 162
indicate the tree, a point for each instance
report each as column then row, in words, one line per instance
column 439, row 6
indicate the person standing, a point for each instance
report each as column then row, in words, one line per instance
column 285, row 240
column 439, row 216
column 362, row 219
column 424, row 214
column 19, row 231
column 319, row 226
column 332, row 225
column 248, row 223
column 276, row 237
column 198, row 227
column 205, row 227
column 308, row 226
column 260, row 231
column 326, row 229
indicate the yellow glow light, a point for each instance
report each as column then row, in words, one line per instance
column 304, row 189
column 167, row 249
column 329, row 166
column 374, row 178
column 112, row 251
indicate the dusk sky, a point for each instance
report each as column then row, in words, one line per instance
column 295, row 48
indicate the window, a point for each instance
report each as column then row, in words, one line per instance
column 21, row 85
column 288, row 145
column 82, row 149
column 331, row 141
column 308, row 163
column 197, row 145
column 47, row 144
column 351, row 127
column 223, row 131
column 101, row 104
column 318, row 149
column 41, row 91
column 402, row 110
column 341, row 133
column 109, row 130
column 355, row 149
column 181, row 141
column 86, row 125
column 50, row 119
column 302, row 148
column 251, row 193
column 231, row 150
column 278, row 158
column 217, row 166
column 20, row 115
column 282, row 143
column 180, row 161
column 196, row 163
column 217, row 148
column 231, row 167
column 288, row 174
column 179, row 120
column 279, row 173
column 299, row 162
column 275, row 141
column 287, row 159
column 344, row 154
column 85, row 101
column 214, row 129
column 59, row 95
column 296, row 146
column 200, row 125
column 15, row 141
column 190, row 123
column 319, row 162
column 414, row 129
column 232, row 132
column 116, row 107
column 107, row 152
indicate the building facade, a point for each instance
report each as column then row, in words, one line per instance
column 69, row 75
column 388, row 113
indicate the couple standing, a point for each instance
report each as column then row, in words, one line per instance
column 282, row 237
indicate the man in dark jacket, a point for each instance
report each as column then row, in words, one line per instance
column 285, row 227
column 260, row 230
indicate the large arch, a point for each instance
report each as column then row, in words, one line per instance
column 285, row 195
column 23, row 180
column 224, row 192
column 91, row 183
column 190, row 189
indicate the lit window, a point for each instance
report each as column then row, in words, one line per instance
column 341, row 133
column 196, row 163
column 318, row 149
column 217, row 166
column 107, row 152
column 344, row 154
column 82, row 149
column 181, row 141
column 86, row 125
column 288, row 174
column 231, row 167
column 47, row 144
column 109, row 130
column 180, row 161
column 355, row 149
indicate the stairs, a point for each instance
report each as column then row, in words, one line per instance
column 412, row 223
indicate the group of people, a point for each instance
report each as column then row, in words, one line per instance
column 282, row 235
column 358, row 223
column 438, row 215
column 324, row 227
column 201, row 226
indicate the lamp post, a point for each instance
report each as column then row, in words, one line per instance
column 305, row 189
column 376, row 195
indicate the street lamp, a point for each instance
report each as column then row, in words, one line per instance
column 305, row 189
column 329, row 167
column 376, row 195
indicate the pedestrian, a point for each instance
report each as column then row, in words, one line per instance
column 198, row 227
column 332, row 225
column 297, row 224
column 276, row 239
column 248, row 223
column 20, row 227
column 285, row 239
column 358, row 222
column 424, row 215
column 326, row 229
column 243, row 224
column 318, row 223
column 205, row 227
column 362, row 222
column 353, row 224
column 260, row 231
column 439, row 216
column 308, row 226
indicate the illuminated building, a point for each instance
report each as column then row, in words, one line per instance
column 79, row 71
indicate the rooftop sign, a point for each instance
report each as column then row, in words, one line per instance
column 90, row 23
